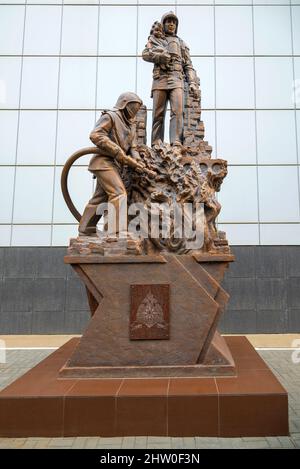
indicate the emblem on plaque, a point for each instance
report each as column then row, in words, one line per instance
column 149, row 317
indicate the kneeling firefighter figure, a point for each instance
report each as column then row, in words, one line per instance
column 115, row 135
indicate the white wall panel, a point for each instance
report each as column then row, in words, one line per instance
column 241, row 234
column 296, row 28
column 238, row 195
column 7, row 175
column 205, row 68
column 274, row 82
column 36, row 144
column 8, row 136
column 42, row 30
column 234, row 33
column 272, row 30
column 73, row 132
column 109, row 89
column 234, row 82
column 79, row 30
column 61, row 234
column 39, row 83
column 33, row 195
column 280, row 234
column 278, row 194
column 31, row 235
column 77, row 87
column 196, row 28
column 5, row 232
column 11, row 29
column 123, row 20
column 80, row 185
column 236, row 136
column 276, row 137
column 10, row 75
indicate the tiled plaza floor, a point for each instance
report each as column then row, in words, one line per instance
column 19, row 361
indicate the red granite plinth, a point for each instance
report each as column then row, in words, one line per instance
column 253, row 403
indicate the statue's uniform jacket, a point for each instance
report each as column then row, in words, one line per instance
column 171, row 77
column 111, row 133
column 168, row 84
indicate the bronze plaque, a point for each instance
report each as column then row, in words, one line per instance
column 149, row 315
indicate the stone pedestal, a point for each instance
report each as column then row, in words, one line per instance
column 150, row 362
column 152, row 316
column 252, row 403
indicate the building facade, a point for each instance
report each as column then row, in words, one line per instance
column 62, row 62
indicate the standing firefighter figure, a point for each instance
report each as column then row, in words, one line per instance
column 115, row 135
column 172, row 67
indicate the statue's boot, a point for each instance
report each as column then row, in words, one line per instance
column 89, row 220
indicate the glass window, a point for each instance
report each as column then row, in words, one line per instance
column 10, row 74
column 13, row 1
column 80, row 30
column 276, row 137
column 272, row 30
column 108, row 89
column 278, row 194
column 144, row 81
column 80, row 185
column 296, row 28
column 52, row 2
column 234, row 33
column 146, row 17
column 123, row 21
column 274, row 82
column 272, row 2
column 39, row 83
column 208, row 117
column 240, row 234
column 11, row 29
column 205, row 68
column 196, row 28
column 81, row 2
column 280, row 234
column 8, row 136
column 298, row 130
column 236, row 136
column 238, row 195
column 31, row 235
column 42, row 29
column 74, row 128
column 33, row 195
column 149, row 127
column 170, row 3
column 61, row 234
column 5, row 231
column 237, row 2
column 235, row 83
column 296, row 83
column 77, row 86
column 7, row 175
column 37, row 132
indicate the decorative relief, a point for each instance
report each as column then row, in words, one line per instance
column 149, row 318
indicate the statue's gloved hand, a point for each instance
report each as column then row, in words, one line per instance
column 121, row 157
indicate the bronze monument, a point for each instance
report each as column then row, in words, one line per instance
column 153, row 282
column 154, row 292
